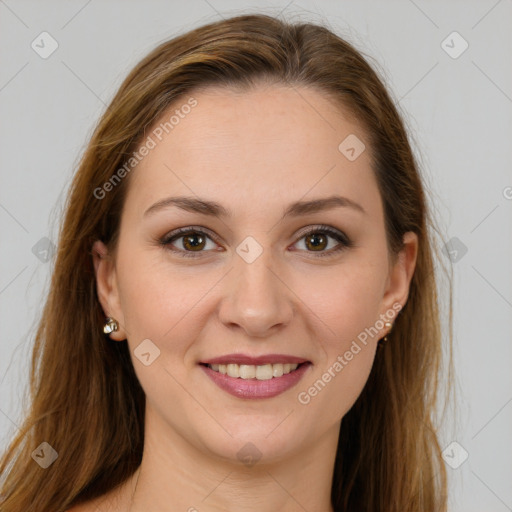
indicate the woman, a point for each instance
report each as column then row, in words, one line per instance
column 243, row 311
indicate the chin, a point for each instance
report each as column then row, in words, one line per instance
column 252, row 444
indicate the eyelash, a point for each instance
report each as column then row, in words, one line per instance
column 340, row 237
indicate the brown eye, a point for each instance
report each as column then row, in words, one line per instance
column 193, row 242
column 188, row 242
column 316, row 241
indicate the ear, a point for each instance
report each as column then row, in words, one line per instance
column 106, row 286
column 400, row 275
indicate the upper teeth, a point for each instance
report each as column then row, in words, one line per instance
column 248, row 371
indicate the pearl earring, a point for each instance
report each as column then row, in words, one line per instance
column 111, row 325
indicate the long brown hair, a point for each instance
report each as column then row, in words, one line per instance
column 85, row 399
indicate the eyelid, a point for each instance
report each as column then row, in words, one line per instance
column 323, row 228
column 189, row 229
column 344, row 242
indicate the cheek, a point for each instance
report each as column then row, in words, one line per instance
column 347, row 298
column 348, row 306
column 341, row 383
column 163, row 302
column 141, row 284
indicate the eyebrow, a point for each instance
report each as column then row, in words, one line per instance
column 214, row 209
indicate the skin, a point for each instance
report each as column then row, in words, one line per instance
column 255, row 153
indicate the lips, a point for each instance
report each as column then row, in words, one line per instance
column 255, row 377
column 261, row 386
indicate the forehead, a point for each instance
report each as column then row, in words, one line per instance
column 273, row 143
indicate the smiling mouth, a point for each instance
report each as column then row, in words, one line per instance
column 258, row 372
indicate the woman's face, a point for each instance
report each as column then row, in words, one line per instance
column 257, row 275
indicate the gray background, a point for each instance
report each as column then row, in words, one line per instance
column 459, row 112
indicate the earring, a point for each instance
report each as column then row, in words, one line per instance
column 111, row 325
column 389, row 325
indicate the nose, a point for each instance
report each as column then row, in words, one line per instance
column 256, row 298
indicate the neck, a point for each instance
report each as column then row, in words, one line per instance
column 175, row 475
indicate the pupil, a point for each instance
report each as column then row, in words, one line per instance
column 314, row 239
column 191, row 237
